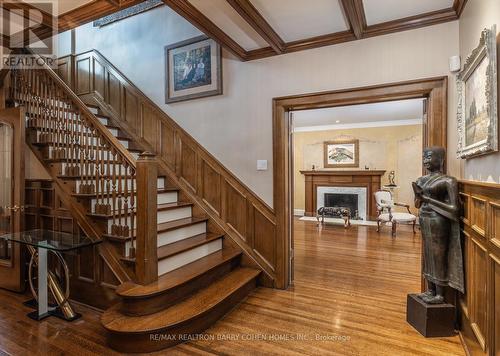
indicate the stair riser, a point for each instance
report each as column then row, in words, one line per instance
column 161, row 339
column 160, row 183
column 168, row 237
column 163, row 198
column 152, row 304
column 169, row 264
column 164, row 216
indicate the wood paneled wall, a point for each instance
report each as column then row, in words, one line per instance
column 480, row 306
column 229, row 203
column 92, row 282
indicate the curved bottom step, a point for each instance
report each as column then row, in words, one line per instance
column 169, row 327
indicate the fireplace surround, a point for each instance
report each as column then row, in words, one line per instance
column 318, row 182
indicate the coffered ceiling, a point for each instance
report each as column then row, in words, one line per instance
column 291, row 25
column 253, row 29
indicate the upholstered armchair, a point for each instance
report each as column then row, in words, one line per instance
column 386, row 213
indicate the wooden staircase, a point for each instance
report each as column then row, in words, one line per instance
column 178, row 278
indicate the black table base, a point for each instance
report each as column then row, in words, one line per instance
column 55, row 311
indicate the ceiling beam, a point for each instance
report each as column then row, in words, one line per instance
column 92, row 11
column 200, row 21
column 252, row 16
column 412, row 22
column 459, row 6
column 355, row 14
column 300, row 45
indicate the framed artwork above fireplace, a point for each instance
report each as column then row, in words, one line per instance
column 341, row 154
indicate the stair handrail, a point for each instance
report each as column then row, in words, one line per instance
column 89, row 116
column 34, row 89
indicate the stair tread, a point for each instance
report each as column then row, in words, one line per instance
column 175, row 248
column 163, row 227
column 178, row 276
column 192, row 307
column 161, row 207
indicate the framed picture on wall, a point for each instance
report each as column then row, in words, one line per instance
column 193, row 69
column 341, row 154
column 477, row 113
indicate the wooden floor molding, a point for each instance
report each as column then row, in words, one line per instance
column 350, row 290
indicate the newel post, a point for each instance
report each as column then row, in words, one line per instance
column 146, row 240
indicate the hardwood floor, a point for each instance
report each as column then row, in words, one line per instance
column 349, row 292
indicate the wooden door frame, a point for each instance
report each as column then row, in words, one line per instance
column 434, row 89
column 12, row 272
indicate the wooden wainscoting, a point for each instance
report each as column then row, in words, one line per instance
column 247, row 219
column 92, row 281
column 480, row 306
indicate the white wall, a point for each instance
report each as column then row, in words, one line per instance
column 479, row 14
column 237, row 126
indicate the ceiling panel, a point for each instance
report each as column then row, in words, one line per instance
column 229, row 21
column 378, row 11
column 62, row 5
column 299, row 19
column 356, row 114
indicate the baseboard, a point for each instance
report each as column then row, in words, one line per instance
column 298, row 212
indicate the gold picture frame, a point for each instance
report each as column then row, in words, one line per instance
column 341, row 154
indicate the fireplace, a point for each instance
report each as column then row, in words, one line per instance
column 343, row 200
column 355, row 198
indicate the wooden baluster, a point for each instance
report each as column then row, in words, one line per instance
column 82, row 161
column 107, row 166
column 146, row 252
column 114, row 190
column 132, row 209
column 127, row 216
column 120, row 195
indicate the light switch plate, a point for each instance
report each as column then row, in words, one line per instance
column 262, row 165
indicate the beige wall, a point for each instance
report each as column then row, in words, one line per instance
column 479, row 14
column 395, row 148
column 237, row 127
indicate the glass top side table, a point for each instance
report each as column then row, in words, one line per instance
column 39, row 243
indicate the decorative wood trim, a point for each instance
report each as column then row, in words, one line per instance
column 146, row 267
column 200, row 21
column 459, row 6
column 412, row 22
column 355, row 14
column 479, row 307
column 89, row 12
column 246, row 10
column 435, row 89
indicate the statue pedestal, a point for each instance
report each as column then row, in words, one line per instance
column 430, row 320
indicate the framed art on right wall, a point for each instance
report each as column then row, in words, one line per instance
column 477, row 112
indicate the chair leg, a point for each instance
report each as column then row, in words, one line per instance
column 394, row 227
column 378, row 225
column 414, row 223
